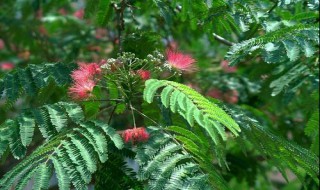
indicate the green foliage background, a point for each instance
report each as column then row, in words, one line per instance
column 266, row 137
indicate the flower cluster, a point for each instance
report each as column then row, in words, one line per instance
column 144, row 74
column 135, row 135
column 84, row 80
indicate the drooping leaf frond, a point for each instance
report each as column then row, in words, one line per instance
column 119, row 177
column 204, row 152
column 290, row 39
column 290, row 76
column 278, row 151
column 166, row 165
column 73, row 155
column 312, row 127
column 193, row 107
column 50, row 119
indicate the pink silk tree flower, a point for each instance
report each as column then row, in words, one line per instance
column 180, row 61
column 135, row 135
column 6, row 66
column 144, row 74
column 81, row 89
column 86, row 72
column 226, row 68
column 215, row 93
column 232, row 96
column 79, row 14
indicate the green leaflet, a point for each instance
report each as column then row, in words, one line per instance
column 192, row 106
column 103, row 12
column 27, row 124
column 63, row 178
column 114, row 136
column 42, row 176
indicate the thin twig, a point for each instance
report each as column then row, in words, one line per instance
column 112, row 112
column 273, row 7
column 134, row 119
column 222, row 40
column 145, row 116
column 120, row 26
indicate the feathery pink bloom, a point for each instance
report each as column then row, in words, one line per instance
column 180, row 61
column 86, row 72
column 226, row 68
column 135, row 135
column 232, row 96
column 144, row 74
column 81, row 89
column 6, row 66
column 215, row 93
column 79, row 14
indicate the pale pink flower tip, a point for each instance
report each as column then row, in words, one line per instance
column 226, row 68
column 79, row 14
column 81, row 89
column 144, row 74
column 180, row 61
column 7, row 66
column 86, row 72
column 135, row 135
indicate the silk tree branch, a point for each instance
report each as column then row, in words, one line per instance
column 222, row 40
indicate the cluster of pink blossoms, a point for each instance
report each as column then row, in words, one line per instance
column 135, row 135
column 84, row 80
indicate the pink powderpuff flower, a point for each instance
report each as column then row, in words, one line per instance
column 7, row 66
column 81, row 89
column 135, row 135
column 215, row 93
column 79, row 14
column 144, row 74
column 232, row 96
column 86, row 72
column 1, row 44
column 180, row 61
column 226, row 68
